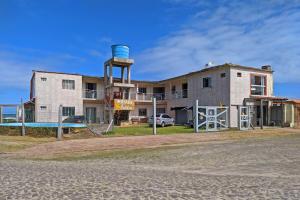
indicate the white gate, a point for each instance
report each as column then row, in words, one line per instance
column 210, row 118
column 244, row 117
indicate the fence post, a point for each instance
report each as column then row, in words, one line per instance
column 154, row 116
column 196, row 117
column 59, row 127
column 23, row 118
column 1, row 121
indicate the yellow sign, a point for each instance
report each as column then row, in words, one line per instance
column 123, row 104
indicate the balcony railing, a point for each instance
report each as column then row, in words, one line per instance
column 179, row 94
column 91, row 94
column 148, row 96
column 95, row 94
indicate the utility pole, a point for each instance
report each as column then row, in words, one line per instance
column 59, row 127
column 154, row 116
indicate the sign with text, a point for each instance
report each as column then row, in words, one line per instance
column 123, row 104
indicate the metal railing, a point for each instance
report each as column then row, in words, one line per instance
column 148, row 96
column 91, row 94
column 95, row 94
column 179, row 94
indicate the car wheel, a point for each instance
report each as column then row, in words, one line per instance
column 163, row 124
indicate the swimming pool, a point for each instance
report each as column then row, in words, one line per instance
column 44, row 125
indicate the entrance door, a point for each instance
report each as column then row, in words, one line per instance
column 258, row 115
column 91, row 90
column 90, row 115
column 159, row 93
column 181, row 116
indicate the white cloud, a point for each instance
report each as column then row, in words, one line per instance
column 253, row 34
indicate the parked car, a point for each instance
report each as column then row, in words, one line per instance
column 162, row 120
column 74, row 119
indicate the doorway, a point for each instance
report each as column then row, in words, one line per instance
column 265, row 115
column 181, row 116
column 91, row 90
column 90, row 115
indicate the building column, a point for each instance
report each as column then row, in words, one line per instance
column 261, row 114
column 110, row 74
column 122, row 75
column 105, row 74
column 128, row 75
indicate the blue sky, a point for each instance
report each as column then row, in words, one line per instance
column 179, row 35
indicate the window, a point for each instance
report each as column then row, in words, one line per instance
column 43, row 79
column 223, row 75
column 173, row 89
column 68, row 111
column 68, row 84
column 43, row 107
column 160, row 110
column 207, row 82
column 239, row 74
column 166, row 116
column 142, row 90
column 184, row 90
column 142, row 112
column 258, row 85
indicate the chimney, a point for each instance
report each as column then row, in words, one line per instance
column 266, row 67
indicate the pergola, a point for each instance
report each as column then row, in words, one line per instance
column 262, row 99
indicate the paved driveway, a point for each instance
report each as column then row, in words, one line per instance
column 266, row 168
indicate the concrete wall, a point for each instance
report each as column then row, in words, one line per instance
column 217, row 95
column 50, row 94
column 240, row 89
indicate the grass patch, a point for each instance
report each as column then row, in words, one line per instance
column 145, row 129
column 15, row 143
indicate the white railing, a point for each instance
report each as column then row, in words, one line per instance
column 96, row 94
column 179, row 94
column 92, row 94
column 148, row 96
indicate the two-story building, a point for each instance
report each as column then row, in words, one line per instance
column 227, row 85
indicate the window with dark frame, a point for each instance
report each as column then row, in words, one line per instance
column 142, row 90
column 173, row 89
column 68, row 111
column 142, row 112
column 223, row 75
column 43, row 107
column 43, row 79
column 207, row 82
column 239, row 74
column 68, row 84
column 184, row 90
column 160, row 110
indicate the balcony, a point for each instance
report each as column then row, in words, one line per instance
column 179, row 94
column 91, row 94
column 148, row 96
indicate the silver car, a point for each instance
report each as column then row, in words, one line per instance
column 162, row 120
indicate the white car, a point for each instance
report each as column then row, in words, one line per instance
column 162, row 120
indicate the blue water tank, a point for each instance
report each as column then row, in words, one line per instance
column 120, row 51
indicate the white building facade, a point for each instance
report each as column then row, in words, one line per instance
column 223, row 85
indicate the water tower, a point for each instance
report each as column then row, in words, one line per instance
column 117, row 89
